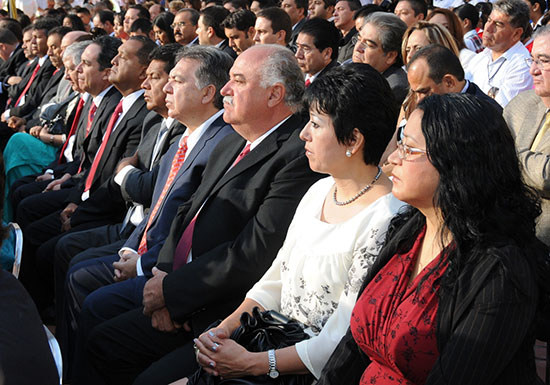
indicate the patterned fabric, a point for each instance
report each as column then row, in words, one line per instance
column 177, row 162
column 394, row 323
column 320, row 268
column 476, row 42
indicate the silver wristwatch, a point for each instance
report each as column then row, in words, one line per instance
column 273, row 372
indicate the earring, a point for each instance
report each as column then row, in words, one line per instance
column 348, row 153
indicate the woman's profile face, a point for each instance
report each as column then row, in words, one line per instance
column 415, row 179
column 161, row 35
column 440, row 19
column 323, row 151
column 417, row 40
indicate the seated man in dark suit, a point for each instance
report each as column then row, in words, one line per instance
column 343, row 20
column 210, row 29
column 12, row 53
column 317, row 48
column 379, row 44
column 175, row 180
column 225, row 237
column 119, row 140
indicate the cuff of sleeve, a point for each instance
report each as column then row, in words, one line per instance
column 6, row 114
column 119, row 178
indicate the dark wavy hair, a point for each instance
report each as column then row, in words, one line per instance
column 164, row 22
column 483, row 200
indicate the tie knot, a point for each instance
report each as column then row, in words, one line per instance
column 245, row 151
column 118, row 109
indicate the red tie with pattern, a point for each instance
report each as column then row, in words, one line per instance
column 184, row 245
column 91, row 114
column 177, row 161
column 308, row 83
column 93, row 168
column 28, row 84
column 77, row 114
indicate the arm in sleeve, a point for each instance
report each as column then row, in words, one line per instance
column 315, row 352
column 518, row 79
column 536, row 167
column 210, row 279
column 487, row 337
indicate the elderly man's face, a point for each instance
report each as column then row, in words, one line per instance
column 126, row 66
column 244, row 98
column 369, row 45
column 541, row 70
column 499, row 35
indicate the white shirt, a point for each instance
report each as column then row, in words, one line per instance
column 127, row 102
column 318, row 271
column 509, row 72
column 192, row 140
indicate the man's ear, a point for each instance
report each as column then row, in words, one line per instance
column 276, row 95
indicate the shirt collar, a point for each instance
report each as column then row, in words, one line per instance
column 129, row 100
column 99, row 98
column 255, row 143
column 193, row 137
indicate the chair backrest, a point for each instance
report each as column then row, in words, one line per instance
column 18, row 251
column 56, row 352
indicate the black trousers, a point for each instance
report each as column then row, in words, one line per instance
column 127, row 349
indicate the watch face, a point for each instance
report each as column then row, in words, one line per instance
column 273, row 373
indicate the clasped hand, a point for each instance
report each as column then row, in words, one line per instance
column 221, row 356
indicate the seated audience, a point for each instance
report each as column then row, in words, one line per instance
column 162, row 28
column 210, row 29
column 239, row 29
column 273, row 26
column 379, row 45
column 336, row 232
column 450, row 20
column 343, row 20
column 317, row 48
column 527, row 115
column 245, row 210
column 470, row 17
column 411, row 11
column 459, row 267
column 297, row 11
column 500, row 70
column 185, row 26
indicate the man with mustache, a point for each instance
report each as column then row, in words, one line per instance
column 185, row 27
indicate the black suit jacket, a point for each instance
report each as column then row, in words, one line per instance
column 10, row 66
column 37, row 87
column 329, row 66
column 227, row 49
column 240, row 228
column 295, row 32
column 473, row 89
column 484, row 327
column 34, row 102
column 86, row 147
column 122, row 143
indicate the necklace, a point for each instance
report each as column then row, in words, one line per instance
column 359, row 194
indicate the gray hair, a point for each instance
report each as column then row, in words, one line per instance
column 390, row 30
column 542, row 31
column 75, row 50
column 517, row 10
column 281, row 66
column 214, row 66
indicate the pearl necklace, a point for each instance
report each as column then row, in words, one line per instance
column 359, row 194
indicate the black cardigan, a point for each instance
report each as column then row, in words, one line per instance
column 485, row 330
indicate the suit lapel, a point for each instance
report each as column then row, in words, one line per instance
column 530, row 130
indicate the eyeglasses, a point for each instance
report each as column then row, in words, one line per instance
column 543, row 64
column 405, row 151
column 181, row 24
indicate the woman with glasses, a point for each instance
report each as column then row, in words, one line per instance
column 453, row 296
column 335, row 234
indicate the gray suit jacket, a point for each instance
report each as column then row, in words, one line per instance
column 525, row 114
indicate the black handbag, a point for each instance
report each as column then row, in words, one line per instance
column 260, row 332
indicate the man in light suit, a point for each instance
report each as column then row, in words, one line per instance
column 224, row 238
column 527, row 115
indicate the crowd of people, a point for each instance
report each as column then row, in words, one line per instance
column 377, row 173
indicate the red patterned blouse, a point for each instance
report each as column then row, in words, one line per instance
column 394, row 323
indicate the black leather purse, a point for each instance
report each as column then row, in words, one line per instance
column 260, row 332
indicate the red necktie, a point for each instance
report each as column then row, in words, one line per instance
column 308, row 83
column 95, row 163
column 29, row 83
column 79, row 107
column 184, row 245
column 91, row 114
column 177, row 161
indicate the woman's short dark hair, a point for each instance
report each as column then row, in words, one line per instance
column 164, row 22
column 356, row 96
